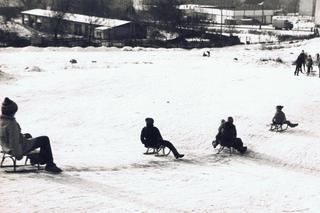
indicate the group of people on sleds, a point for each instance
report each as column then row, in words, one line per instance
column 18, row 144
column 226, row 137
column 304, row 60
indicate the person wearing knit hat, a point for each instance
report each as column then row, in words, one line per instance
column 9, row 107
column 151, row 137
column 280, row 118
column 14, row 142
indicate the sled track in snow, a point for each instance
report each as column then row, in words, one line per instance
column 105, row 190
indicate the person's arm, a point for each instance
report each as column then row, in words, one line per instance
column 142, row 137
column 14, row 137
column 159, row 137
column 284, row 117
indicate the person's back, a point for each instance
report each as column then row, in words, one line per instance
column 18, row 144
column 229, row 137
column 279, row 117
column 301, row 59
column 150, row 136
column 229, row 133
column 8, row 125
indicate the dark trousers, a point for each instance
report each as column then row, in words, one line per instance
column 309, row 70
column 289, row 123
column 298, row 69
column 235, row 143
column 43, row 143
column 170, row 146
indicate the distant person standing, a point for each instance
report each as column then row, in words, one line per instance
column 317, row 62
column 309, row 64
column 301, row 60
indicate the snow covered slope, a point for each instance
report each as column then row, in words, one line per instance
column 93, row 112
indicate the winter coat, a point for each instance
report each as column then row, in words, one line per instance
column 229, row 134
column 301, row 59
column 11, row 139
column 309, row 62
column 279, row 118
column 317, row 62
column 150, row 136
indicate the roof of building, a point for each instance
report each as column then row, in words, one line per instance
column 105, row 22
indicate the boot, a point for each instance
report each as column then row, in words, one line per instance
column 293, row 125
column 53, row 168
column 243, row 150
column 179, row 156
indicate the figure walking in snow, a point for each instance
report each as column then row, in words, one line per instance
column 229, row 137
column 309, row 64
column 151, row 137
column 299, row 62
column 219, row 135
column 318, row 62
column 18, row 144
column 280, row 118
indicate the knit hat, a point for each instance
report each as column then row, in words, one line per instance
column 279, row 107
column 9, row 107
column 149, row 120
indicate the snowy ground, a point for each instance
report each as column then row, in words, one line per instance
column 93, row 112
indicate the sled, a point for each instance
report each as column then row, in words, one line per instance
column 278, row 127
column 221, row 148
column 161, row 151
column 14, row 165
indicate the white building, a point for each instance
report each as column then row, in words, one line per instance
column 307, row 7
column 317, row 13
column 218, row 15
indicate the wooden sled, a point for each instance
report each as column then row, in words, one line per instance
column 221, row 148
column 161, row 151
column 14, row 164
column 278, row 127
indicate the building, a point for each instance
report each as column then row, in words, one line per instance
column 307, row 7
column 317, row 13
column 82, row 25
column 224, row 15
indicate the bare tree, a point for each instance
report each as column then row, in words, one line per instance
column 6, row 12
column 168, row 14
column 32, row 4
column 60, row 8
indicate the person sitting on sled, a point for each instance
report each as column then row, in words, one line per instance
column 229, row 137
column 280, row 118
column 18, row 144
column 151, row 137
column 219, row 135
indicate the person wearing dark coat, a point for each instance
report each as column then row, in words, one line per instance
column 219, row 135
column 301, row 60
column 151, row 137
column 17, row 144
column 309, row 65
column 280, row 118
column 229, row 137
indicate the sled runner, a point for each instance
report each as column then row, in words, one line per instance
column 278, row 127
column 14, row 165
column 221, row 148
column 158, row 151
